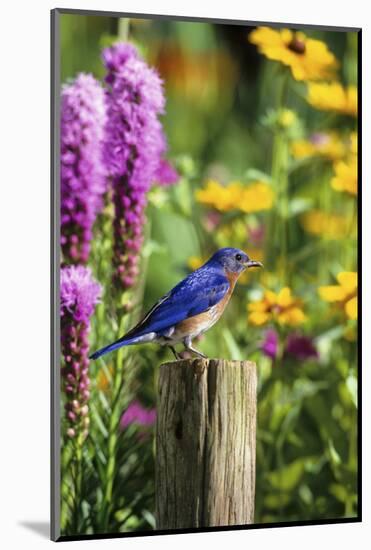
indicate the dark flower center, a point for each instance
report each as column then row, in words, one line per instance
column 297, row 46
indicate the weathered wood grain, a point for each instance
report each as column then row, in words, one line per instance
column 205, row 443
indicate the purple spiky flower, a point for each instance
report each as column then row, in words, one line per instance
column 134, row 146
column 83, row 176
column 79, row 294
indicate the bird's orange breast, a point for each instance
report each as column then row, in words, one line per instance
column 203, row 321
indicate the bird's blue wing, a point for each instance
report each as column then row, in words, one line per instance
column 197, row 293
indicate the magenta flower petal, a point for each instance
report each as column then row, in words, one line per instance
column 270, row 344
column 134, row 147
column 166, row 173
column 83, row 176
column 79, row 294
column 301, row 347
column 137, row 414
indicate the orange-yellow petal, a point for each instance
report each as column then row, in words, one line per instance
column 292, row 316
column 258, row 318
column 257, row 306
column 284, row 297
column 348, row 280
column 266, row 35
column 351, row 308
column 270, row 297
column 346, row 177
column 332, row 293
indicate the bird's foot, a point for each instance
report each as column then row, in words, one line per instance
column 188, row 346
column 177, row 355
column 198, row 353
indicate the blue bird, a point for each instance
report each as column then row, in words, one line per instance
column 192, row 307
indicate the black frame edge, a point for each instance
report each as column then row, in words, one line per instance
column 190, row 18
column 54, row 284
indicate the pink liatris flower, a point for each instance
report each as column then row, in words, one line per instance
column 133, row 151
column 79, row 294
column 137, row 414
column 166, row 173
column 301, row 347
column 83, row 180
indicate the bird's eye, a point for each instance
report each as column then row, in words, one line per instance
column 238, row 257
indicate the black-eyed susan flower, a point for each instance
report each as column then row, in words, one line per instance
column 328, row 145
column 344, row 293
column 345, row 179
column 282, row 307
column 325, row 225
column 307, row 58
column 253, row 197
column 333, row 97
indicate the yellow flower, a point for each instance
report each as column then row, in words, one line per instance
column 221, row 197
column 254, row 197
column 321, row 224
column 286, row 118
column 354, row 143
column 345, row 293
column 345, row 178
column 327, row 145
column 333, row 97
column 281, row 307
column 307, row 58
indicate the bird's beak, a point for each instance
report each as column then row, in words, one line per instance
column 253, row 263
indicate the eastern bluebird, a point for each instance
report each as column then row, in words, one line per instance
column 192, row 307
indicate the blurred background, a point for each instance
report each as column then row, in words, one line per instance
column 267, row 164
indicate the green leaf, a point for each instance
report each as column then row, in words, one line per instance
column 288, row 477
column 150, row 518
column 306, row 494
column 97, row 420
column 334, row 455
column 253, row 174
column 233, row 348
column 352, row 386
column 339, row 492
column 103, row 399
column 274, row 501
column 298, row 206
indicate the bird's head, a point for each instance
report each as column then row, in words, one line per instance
column 233, row 260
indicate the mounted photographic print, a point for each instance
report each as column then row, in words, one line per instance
column 204, row 290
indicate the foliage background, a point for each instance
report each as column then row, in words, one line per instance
column 223, row 100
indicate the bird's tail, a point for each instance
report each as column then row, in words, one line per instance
column 111, row 347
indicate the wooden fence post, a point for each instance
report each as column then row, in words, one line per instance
column 205, row 443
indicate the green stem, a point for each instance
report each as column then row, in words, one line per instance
column 277, row 225
column 123, row 28
column 279, row 176
column 325, row 206
column 113, row 426
column 65, row 487
column 77, row 486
